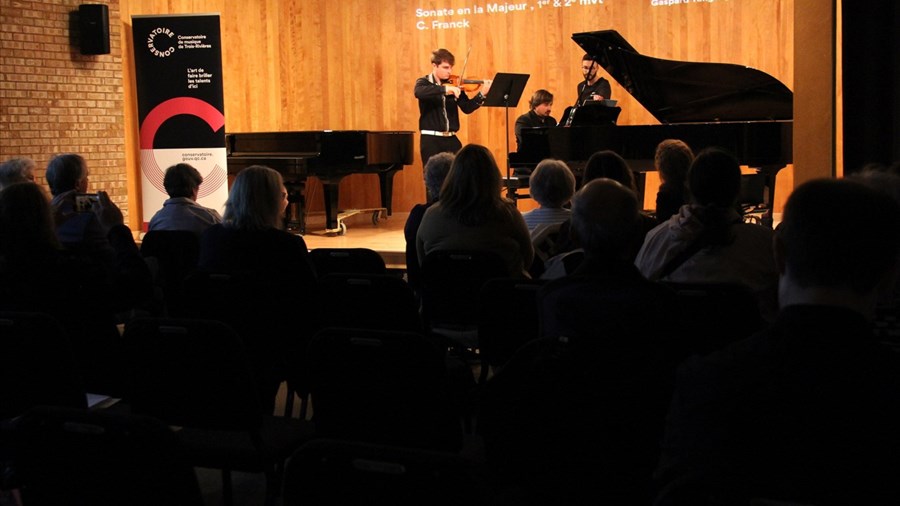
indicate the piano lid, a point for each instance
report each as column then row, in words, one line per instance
column 685, row 92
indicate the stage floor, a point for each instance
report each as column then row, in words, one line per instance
column 386, row 237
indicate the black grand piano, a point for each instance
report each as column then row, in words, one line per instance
column 328, row 155
column 741, row 109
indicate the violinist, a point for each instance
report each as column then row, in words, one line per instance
column 441, row 95
column 539, row 116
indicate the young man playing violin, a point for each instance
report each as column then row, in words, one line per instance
column 441, row 95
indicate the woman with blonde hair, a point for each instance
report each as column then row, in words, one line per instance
column 271, row 277
column 252, row 236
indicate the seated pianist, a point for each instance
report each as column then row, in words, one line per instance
column 540, row 104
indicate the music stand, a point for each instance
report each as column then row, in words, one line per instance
column 506, row 90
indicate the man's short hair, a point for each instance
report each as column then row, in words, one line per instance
column 552, row 183
column 605, row 217
column 673, row 160
column 15, row 170
column 839, row 233
column 441, row 55
column 715, row 178
column 540, row 97
column 436, row 169
column 64, row 172
column 181, row 180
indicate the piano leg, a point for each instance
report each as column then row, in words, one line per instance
column 330, row 192
column 770, row 172
column 386, row 184
column 295, row 214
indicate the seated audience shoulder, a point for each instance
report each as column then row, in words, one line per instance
column 505, row 234
column 807, row 409
column 707, row 241
column 224, row 248
column 471, row 214
column 182, row 213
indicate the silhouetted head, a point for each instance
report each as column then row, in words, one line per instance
column 715, row 178
column 67, row 172
column 605, row 218
column 26, row 222
column 257, row 199
column 552, row 183
column 855, row 245
column 182, row 180
column 16, row 170
column 673, row 160
column 471, row 192
column 436, row 169
column 610, row 165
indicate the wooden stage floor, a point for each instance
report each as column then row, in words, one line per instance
column 386, row 238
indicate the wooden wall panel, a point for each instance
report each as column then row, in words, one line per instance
column 319, row 64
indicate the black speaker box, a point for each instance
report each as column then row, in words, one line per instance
column 93, row 24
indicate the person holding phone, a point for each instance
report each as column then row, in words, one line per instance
column 76, row 228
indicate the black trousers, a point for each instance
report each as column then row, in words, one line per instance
column 431, row 145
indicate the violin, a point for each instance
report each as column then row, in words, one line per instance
column 467, row 85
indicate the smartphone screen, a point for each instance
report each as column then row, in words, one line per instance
column 84, row 202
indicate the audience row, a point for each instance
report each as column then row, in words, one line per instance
column 800, row 411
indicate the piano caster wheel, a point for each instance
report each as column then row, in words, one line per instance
column 343, row 230
column 375, row 217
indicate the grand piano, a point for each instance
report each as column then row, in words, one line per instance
column 328, row 155
column 741, row 109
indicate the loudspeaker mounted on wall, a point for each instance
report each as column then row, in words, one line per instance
column 93, row 24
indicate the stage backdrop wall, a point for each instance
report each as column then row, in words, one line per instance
column 320, row 64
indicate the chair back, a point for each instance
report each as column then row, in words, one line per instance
column 560, row 428
column 36, row 365
column 368, row 301
column 175, row 253
column 264, row 312
column 382, row 387
column 72, row 456
column 716, row 314
column 507, row 319
column 347, row 260
column 332, row 472
column 452, row 280
column 191, row 373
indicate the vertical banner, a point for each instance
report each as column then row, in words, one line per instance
column 181, row 105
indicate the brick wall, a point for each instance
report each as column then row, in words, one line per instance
column 55, row 100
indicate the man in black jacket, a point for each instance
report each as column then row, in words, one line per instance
column 440, row 101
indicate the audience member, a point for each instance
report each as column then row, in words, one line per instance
column 606, row 164
column 887, row 320
column 807, row 410
column 539, row 105
column 251, row 237
column 37, row 275
column 181, row 210
column 672, row 161
column 19, row 169
column 272, row 271
column 603, row 374
column 436, row 169
column 604, row 221
column 552, row 185
column 610, row 165
column 77, row 230
column 707, row 241
column 472, row 215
